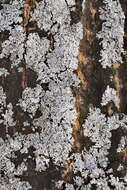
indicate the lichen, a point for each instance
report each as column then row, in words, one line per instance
column 3, row 72
column 94, row 163
column 14, row 46
column 10, row 14
column 47, row 108
column 31, row 99
column 112, row 33
column 2, row 99
column 110, row 95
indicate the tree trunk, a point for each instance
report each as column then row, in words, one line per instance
column 63, row 86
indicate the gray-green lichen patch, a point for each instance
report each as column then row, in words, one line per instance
column 10, row 14
column 8, row 116
column 14, row 46
column 36, row 49
column 53, row 58
column 7, row 167
column 112, row 32
column 2, row 99
column 4, row 72
column 50, row 51
column 31, row 99
column 52, row 13
column 110, row 95
column 91, row 167
column 122, row 144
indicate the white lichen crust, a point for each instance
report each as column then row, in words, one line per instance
column 53, row 58
column 2, row 99
column 14, row 46
column 112, row 32
column 94, row 163
column 10, row 14
column 47, row 108
column 31, row 99
column 110, row 95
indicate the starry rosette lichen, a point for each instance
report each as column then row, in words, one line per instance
column 14, row 46
column 112, row 33
column 10, row 14
column 54, row 12
column 36, row 49
column 94, row 163
column 30, row 99
column 8, row 116
column 2, row 99
column 53, row 57
column 109, row 95
column 3, row 72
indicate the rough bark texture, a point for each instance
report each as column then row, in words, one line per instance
column 63, row 86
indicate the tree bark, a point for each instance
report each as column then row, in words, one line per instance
column 63, row 86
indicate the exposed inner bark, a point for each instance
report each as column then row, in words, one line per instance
column 89, row 71
column 94, row 80
column 123, row 67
